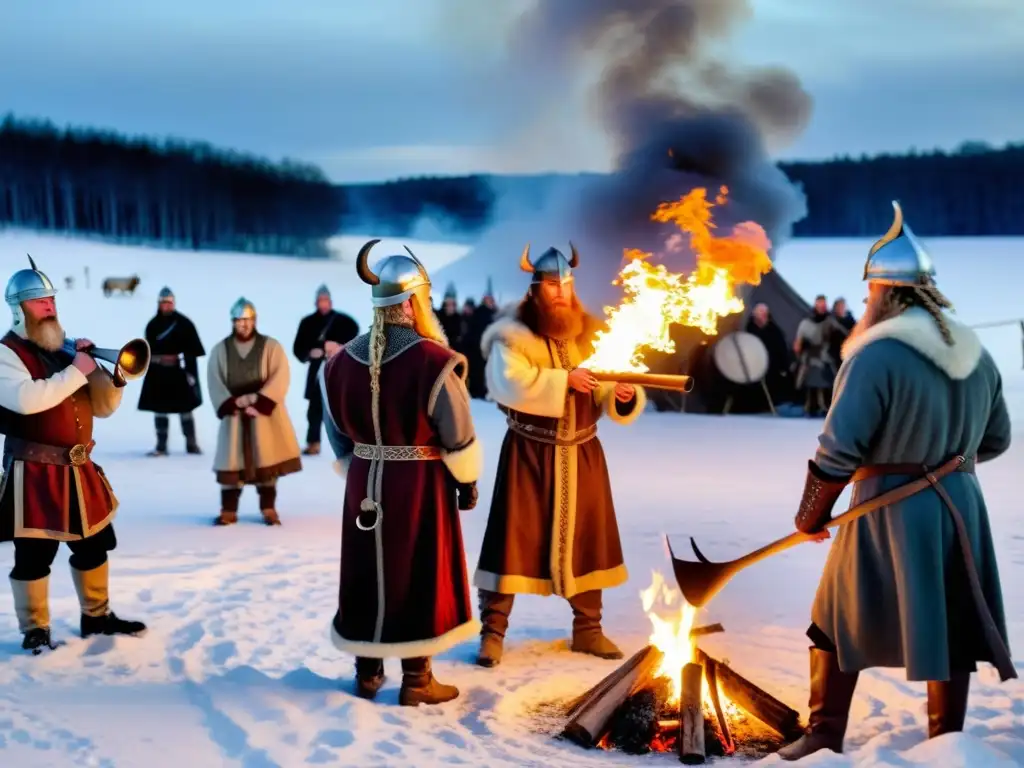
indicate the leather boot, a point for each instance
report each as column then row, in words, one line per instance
column 587, row 636
column 420, row 687
column 229, row 498
column 32, row 607
column 162, row 424
column 93, row 588
column 268, row 497
column 313, row 449
column 947, row 704
column 495, row 608
column 830, row 699
column 188, row 429
column 369, row 677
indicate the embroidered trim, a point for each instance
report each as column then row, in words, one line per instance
column 397, row 452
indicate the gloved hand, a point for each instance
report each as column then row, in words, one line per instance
column 467, row 495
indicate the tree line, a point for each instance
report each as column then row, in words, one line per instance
column 192, row 195
column 975, row 190
column 174, row 193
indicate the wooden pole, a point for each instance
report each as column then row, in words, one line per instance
column 691, row 716
column 754, row 700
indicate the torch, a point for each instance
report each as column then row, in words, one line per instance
column 676, row 383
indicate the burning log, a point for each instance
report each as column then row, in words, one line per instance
column 648, row 380
column 691, row 716
column 710, row 629
column 635, row 726
column 780, row 718
column 590, row 714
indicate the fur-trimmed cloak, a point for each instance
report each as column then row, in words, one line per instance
column 893, row 592
column 552, row 526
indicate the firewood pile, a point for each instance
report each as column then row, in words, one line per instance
column 720, row 712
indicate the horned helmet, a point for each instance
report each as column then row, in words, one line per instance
column 898, row 258
column 397, row 277
column 552, row 265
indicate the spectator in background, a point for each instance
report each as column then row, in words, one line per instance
column 844, row 322
column 780, row 359
column 816, row 369
column 451, row 320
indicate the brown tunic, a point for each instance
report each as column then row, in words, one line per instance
column 552, row 526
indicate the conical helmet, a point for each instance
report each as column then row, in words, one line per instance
column 323, row 290
column 898, row 258
column 551, row 266
column 395, row 278
column 26, row 284
column 242, row 309
column 166, row 294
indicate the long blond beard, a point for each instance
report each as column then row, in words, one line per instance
column 46, row 334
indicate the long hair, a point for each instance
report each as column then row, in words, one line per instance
column 928, row 297
column 423, row 321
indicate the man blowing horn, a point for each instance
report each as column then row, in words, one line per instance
column 397, row 415
column 907, row 585
column 552, row 527
column 51, row 490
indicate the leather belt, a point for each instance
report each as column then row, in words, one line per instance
column 550, row 436
column 167, row 360
column 917, row 470
column 26, row 450
column 397, row 452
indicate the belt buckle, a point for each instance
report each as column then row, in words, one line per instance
column 78, row 455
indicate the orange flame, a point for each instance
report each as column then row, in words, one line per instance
column 657, row 299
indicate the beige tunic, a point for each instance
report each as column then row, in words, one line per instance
column 275, row 447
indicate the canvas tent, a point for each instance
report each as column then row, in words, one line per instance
column 693, row 348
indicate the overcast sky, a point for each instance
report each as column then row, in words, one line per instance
column 373, row 89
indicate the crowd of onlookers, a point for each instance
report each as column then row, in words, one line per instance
column 464, row 326
column 803, row 373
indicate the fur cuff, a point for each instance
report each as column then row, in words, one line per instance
column 626, row 413
column 820, row 493
column 465, row 464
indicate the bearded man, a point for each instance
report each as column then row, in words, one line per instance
column 398, row 419
column 248, row 379
column 552, row 526
column 51, row 490
column 914, row 584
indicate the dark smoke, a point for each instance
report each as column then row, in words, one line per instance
column 679, row 118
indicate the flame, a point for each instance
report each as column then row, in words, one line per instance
column 671, row 636
column 657, row 299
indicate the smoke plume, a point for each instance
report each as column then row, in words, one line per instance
column 679, row 115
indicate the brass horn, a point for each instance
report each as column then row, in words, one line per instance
column 574, row 260
column 130, row 361
column 524, row 261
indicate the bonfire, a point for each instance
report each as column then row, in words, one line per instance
column 671, row 695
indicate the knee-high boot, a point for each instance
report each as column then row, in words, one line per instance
column 369, row 676
column 495, row 608
column 161, row 422
column 229, row 498
column 188, row 429
column 32, row 607
column 93, row 588
column 831, row 695
column 587, row 636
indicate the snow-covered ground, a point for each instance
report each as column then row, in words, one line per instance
column 237, row 669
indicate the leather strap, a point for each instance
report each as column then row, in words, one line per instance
column 41, row 453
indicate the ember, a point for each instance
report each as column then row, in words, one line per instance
column 673, row 697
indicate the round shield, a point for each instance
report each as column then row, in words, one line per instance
column 741, row 357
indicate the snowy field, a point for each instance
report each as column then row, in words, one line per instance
column 237, row 669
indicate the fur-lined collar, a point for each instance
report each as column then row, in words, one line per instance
column 918, row 330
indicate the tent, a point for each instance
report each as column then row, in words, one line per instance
column 693, row 349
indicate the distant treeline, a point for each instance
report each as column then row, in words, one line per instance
column 975, row 190
column 176, row 194
column 192, row 195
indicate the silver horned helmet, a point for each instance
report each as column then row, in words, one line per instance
column 24, row 285
column 396, row 278
column 898, row 258
column 243, row 309
column 551, row 266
